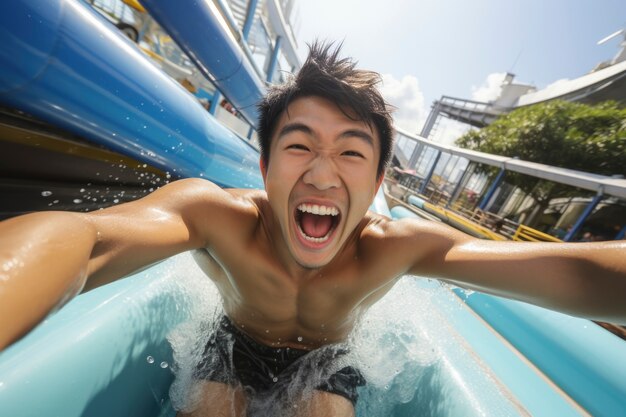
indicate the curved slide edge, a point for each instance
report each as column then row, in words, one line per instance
column 95, row 350
column 62, row 63
column 197, row 29
column 579, row 357
column 91, row 357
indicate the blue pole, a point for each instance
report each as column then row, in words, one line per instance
column 579, row 223
column 144, row 28
column 430, row 173
column 492, row 189
column 274, row 60
column 247, row 25
column 458, row 186
column 215, row 101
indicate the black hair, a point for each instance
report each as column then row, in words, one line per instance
column 325, row 75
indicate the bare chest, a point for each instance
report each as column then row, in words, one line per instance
column 278, row 309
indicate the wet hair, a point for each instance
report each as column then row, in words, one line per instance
column 325, row 75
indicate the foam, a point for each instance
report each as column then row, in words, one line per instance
column 398, row 342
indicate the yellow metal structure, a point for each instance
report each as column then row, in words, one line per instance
column 135, row 5
column 528, row 234
column 468, row 224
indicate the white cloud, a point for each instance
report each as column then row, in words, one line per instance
column 490, row 88
column 408, row 100
column 448, row 131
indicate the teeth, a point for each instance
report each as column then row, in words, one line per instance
column 313, row 239
column 319, row 210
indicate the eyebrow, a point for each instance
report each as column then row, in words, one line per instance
column 301, row 127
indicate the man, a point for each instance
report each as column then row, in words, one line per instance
column 315, row 258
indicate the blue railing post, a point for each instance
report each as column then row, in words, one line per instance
column 215, row 101
column 457, row 186
column 430, row 173
column 144, row 28
column 247, row 25
column 579, row 223
column 492, row 189
column 274, row 59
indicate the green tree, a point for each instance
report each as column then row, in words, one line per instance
column 558, row 133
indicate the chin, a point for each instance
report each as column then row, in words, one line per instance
column 311, row 263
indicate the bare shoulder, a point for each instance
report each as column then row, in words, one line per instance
column 407, row 242
column 200, row 194
column 383, row 229
column 215, row 210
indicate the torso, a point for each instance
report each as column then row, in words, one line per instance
column 279, row 309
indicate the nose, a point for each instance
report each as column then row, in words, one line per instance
column 322, row 174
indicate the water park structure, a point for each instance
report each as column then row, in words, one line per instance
column 89, row 119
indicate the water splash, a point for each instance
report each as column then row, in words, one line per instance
column 400, row 345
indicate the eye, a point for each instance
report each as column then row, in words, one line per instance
column 298, row 146
column 354, row 154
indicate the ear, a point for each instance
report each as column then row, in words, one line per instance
column 380, row 181
column 263, row 168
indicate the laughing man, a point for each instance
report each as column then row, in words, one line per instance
column 315, row 258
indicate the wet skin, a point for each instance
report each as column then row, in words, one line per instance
column 287, row 276
column 293, row 291
column 279, row 286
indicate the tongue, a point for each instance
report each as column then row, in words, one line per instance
column 314, row 225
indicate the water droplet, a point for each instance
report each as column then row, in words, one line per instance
column 82, row 190
column 77, row 201
column 275, row 379
column 116, row 201
column 46, row 193
column 299, row 338
column 267, row 331
column 150, row 359
column 164, row 365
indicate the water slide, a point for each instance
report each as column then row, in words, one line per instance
column 426, row 349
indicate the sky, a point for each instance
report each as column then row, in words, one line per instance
column 461, row 48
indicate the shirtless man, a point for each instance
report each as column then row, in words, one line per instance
column 298, row 263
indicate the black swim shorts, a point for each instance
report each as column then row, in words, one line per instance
column 233, row 357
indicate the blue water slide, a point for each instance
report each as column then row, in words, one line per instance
column 62, row 63
column 198, row 29
column 106, row 353
column 582, row 359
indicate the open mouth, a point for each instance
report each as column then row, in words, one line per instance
column 316, row 223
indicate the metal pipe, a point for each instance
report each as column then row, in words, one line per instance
column 581, row 220
column 492, row 189
column 274, row 60
column 430, row 173
column 198, row 30
column 217, row 96
column 77, row 72
column 247, row 25
column 234, row 27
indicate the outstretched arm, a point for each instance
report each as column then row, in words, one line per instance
column 48, row 257
column 581, row 279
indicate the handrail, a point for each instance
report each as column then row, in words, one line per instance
column 528, row 234
column 585, row 180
